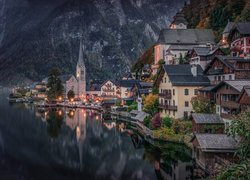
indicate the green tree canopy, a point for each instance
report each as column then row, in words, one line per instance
column 54, row 84
column 202, row 105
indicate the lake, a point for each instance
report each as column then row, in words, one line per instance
column 79, row 144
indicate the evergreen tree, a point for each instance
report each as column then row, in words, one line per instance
column 55, row 87
column 71, row 95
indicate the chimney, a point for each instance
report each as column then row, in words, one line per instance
column 194, row 70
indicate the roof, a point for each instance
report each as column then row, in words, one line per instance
column 228, row 27
column 179, row 18
column 94, row 87
column 128, row 83
column 236, row 84
column 205, row 51
column 216, row 142
column 207, row 118
column 65, row 78
column 140, row 116
column 207, row 88
column 186, row 36
column 181, row 75
column 242, row 27
column 146, row 84
column 229, row 61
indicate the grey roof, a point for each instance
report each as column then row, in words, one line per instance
column 146, row 84
column 207, row 118
column 205, row 51
column 128, row 83
column 180, row 75
column 65, row 78
column 145, row 91
column 238, row 84
column 247, row 89
column 179, row 18
column 185, row 47
column 243, row 27
column 228, row 27
column 207, row 88
column 140, row 116
column 216, row 142
column 186, row 36
column 80, row 58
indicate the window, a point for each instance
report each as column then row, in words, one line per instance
column 165, row 80
column 186, row 92
column 173, row 92
column 186, row 104
column 196, row 92
column 230, row 77
column 173, row 113
column 223, row 78
column 219, row 78
column 173, row 102
column 215, row 78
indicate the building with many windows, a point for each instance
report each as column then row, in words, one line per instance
column 178, row 84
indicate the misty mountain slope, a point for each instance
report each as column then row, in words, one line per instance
column 35, row 36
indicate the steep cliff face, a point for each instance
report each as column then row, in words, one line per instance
column 37, row 35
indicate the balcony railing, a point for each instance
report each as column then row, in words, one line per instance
column 215, row 71
column 165, row 95
column 168, row 107
column 230, row 104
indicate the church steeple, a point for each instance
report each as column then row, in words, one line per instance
column 80, row 57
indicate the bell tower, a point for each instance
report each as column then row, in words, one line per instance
column 81, row 74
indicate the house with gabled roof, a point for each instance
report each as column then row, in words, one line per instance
column 110, row 90
column 227, row 68
column 177, row 85
column 203, row 55
column 244, row 98
column 226, row 95
column 211, row 151
column 207, row 123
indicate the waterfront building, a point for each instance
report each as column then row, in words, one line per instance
column 177, row 85
column 207, row 123
column 141, row 89
column 110, row 90
column 126, row 87
column 203, row 55
column 227, row 94
column 77, row 82
column 239, row 39
column 213, row 151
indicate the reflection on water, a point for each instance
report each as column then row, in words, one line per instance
column 78, row 144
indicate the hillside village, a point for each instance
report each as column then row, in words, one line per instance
column 190, row 93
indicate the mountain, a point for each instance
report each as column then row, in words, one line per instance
column 37, row 35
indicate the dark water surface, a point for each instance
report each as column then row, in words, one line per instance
column 78, row 144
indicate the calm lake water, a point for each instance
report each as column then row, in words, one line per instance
column 77, row 144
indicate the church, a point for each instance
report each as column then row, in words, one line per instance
column 77, row 82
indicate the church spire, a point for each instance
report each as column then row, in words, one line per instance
column 80, row 58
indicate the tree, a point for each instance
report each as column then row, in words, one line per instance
column 71, row 95
column 167, row 121
column 54, row 84
column 151, row 104
column 156, row 121
column 240, row 127
column 132, row 106
column 202, row 105
column 146, row 121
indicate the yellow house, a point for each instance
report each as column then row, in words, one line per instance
column 178, row 84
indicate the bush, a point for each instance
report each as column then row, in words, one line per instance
column 147, row 121
column 167, row 122
column 156, row 121
column 133, row 106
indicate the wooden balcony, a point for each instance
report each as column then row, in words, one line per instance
column 227, row 116
column 230, row 104
column 168, row 107
column 165, row 95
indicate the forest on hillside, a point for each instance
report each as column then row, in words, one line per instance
column 214, row 14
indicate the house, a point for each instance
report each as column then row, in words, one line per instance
column 244, row 98
column 110, row 90
column 223, row 68
column 126, row 87
column 141, row 88
column 174, row 42
column 207, row 123
column 39, row 91
column 177, row 85
column 227, row 94
column 93, row 91
column 239, row 39
column 211, row 150
column 203, row 55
